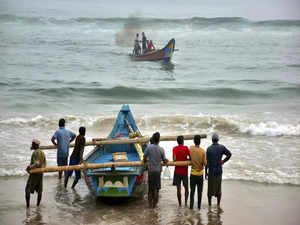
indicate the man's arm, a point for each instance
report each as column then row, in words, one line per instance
column 53, row 140
column 174, row 155
column 228, row 155
column 164, row 159
column 73, row 137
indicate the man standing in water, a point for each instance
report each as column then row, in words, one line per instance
column 214, row 156
column 76, row 157
column 35, row 180
column 181, row 153
column 63, row 137
column 154, row 154
column 198, row 158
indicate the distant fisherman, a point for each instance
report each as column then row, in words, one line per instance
column 214, row 166
column 63, row 137
column 35, row 180
column 154, row 154
column 137, row 47
column 144, row 43
column 76, row 157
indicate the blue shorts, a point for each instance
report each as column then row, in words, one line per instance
column 77, row 172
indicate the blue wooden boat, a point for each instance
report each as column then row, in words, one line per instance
column 128, row 181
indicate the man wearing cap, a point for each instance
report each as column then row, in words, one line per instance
column 213, row 170
column 35, row 180
column 62, row 139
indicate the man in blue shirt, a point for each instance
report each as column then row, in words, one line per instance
column 154, row 154
column 213, row 170
column 62, row 139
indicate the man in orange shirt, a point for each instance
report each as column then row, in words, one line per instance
column 198, row 159
column 181, row 153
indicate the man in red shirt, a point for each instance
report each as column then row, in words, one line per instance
column 181, row 153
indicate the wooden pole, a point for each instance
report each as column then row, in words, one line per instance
column 85, row 166
column 144, row 139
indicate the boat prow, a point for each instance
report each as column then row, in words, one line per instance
column 127, row 181
column 165, row 53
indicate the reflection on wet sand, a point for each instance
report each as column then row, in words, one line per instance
column 68, row 206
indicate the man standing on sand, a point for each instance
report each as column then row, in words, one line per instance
column 198, row 159
column 154, row 154
column 63, row 138
column 35, row 180
column 181, row 153
column 214, row 156
column 76, row 157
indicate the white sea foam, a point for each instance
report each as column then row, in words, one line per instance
column 271, row 128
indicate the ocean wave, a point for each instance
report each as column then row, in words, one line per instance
column 227, row 124
column 138, row 22
column 134, row 94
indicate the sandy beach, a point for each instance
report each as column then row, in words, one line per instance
column 242, row 203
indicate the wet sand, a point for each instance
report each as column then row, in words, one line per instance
column 242, row 203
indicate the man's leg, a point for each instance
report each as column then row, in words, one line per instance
column 179, row 193
column 192, row 184
column 27, row 197
column 219, row 199
column 199, row 190
column 66, row 180
column 75, row 182
column 186, row 194
column 155, row 198
column 39, row 199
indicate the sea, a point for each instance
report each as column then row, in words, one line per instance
column 236, row 76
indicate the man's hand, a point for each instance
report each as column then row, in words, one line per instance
column 222, row 162
column 206, row 176
column 28, row 169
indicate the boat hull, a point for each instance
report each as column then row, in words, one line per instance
column 165, row 53
column 128, row 181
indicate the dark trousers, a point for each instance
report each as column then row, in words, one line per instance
column 196, row 181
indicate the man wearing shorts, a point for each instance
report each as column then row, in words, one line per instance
column 181, row 153
column 62, row 139
column 154, row 154
column 77, row 157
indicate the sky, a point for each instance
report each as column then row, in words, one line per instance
column 250, row 9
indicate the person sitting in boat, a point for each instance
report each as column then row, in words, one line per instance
column 144, row 43
column 137, row 47
column 150, row 46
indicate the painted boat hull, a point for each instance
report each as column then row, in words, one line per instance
column 165, row 53
column 117, row 181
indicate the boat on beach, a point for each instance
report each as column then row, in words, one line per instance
column 128, row 181
column 165, row 53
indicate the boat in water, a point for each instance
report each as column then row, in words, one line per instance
column 165, row 53
column 129, row 181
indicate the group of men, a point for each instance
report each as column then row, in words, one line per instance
column 61, row 139
column 207, row 163
column 154, row 154
column 147, row 45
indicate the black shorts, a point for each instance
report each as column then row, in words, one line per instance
column 154, row 181
column 178, row 178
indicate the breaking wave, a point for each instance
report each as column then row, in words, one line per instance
column 177, row 123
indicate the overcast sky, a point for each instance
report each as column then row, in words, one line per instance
column 251, row 9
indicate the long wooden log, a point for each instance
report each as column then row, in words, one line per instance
column 84, row 166
column 144, row 139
